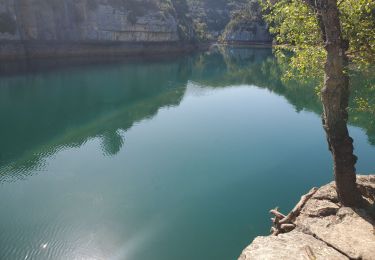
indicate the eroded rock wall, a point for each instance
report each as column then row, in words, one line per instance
column 231, row 21
column 247, row 25
column 247, row 31
column 87, row 20
column 59, row 27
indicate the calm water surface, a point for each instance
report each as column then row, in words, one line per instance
column 159, row 159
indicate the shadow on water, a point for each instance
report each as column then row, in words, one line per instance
column 46, row 106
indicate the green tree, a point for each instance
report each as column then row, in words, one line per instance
column 335, row 99
column 322, row 33
column 296, row 27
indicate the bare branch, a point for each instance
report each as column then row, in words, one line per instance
column 297, row 209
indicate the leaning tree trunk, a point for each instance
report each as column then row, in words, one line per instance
column 335, row 99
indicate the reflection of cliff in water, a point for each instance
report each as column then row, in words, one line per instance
column 230, row 66
column 67, row 106
column 64, row 108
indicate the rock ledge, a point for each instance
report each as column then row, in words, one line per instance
column 324, row 230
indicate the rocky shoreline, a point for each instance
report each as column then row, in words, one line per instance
column 324, row 230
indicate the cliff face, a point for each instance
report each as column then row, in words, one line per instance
column 88, row 27
column 247, row 25
column 88, row 20
column 247, row 31
column 210, row 17
column 229, row 20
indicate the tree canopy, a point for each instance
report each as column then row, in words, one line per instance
column 300, row 49
column 326, row 32
column 295, row 26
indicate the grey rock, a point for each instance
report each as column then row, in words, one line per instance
column 327, row 192
column 292, row 246
column 319, row 208
column 347, row 232
column 86, row 20
column 255, row 31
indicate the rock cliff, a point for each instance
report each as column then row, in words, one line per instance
column 100, row 27
column 231, row 21
column 70, row 22
column 87, row 20
column 247, row 25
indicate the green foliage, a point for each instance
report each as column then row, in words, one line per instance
column 292, row 22
column 302, row 64
column 295, row 29
column 202, row 32
column 185, row 23
column 295, row 26
column 358, row 22
column 247, row 16
column 300, row 46
column 211, row 17
column 301, row 55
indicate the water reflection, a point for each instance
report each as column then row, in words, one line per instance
column 112, row 179
column 43, row 112
column 46, row 112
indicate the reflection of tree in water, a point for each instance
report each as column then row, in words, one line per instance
column 262, row 69
column 48, row 112
column 112, row 142
column 73, row 106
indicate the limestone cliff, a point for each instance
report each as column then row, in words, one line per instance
column 229, row 21
column 36, row 28
column 88, row 21
column 246, row 31
column 247, row 25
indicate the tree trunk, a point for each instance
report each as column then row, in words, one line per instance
column 335, row 99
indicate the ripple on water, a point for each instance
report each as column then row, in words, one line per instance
column 50, row 241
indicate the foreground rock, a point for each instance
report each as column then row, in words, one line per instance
column 293, row 245
column 324, row 230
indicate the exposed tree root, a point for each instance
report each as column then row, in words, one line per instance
column 284, row 224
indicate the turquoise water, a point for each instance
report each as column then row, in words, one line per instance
column 177, row 158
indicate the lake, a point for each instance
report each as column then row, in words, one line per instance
column 159, row 158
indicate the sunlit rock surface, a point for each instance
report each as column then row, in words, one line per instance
column 325, row 230
column 294, row 245
column 93, row 27
column 85, row 20
column 88, row 27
